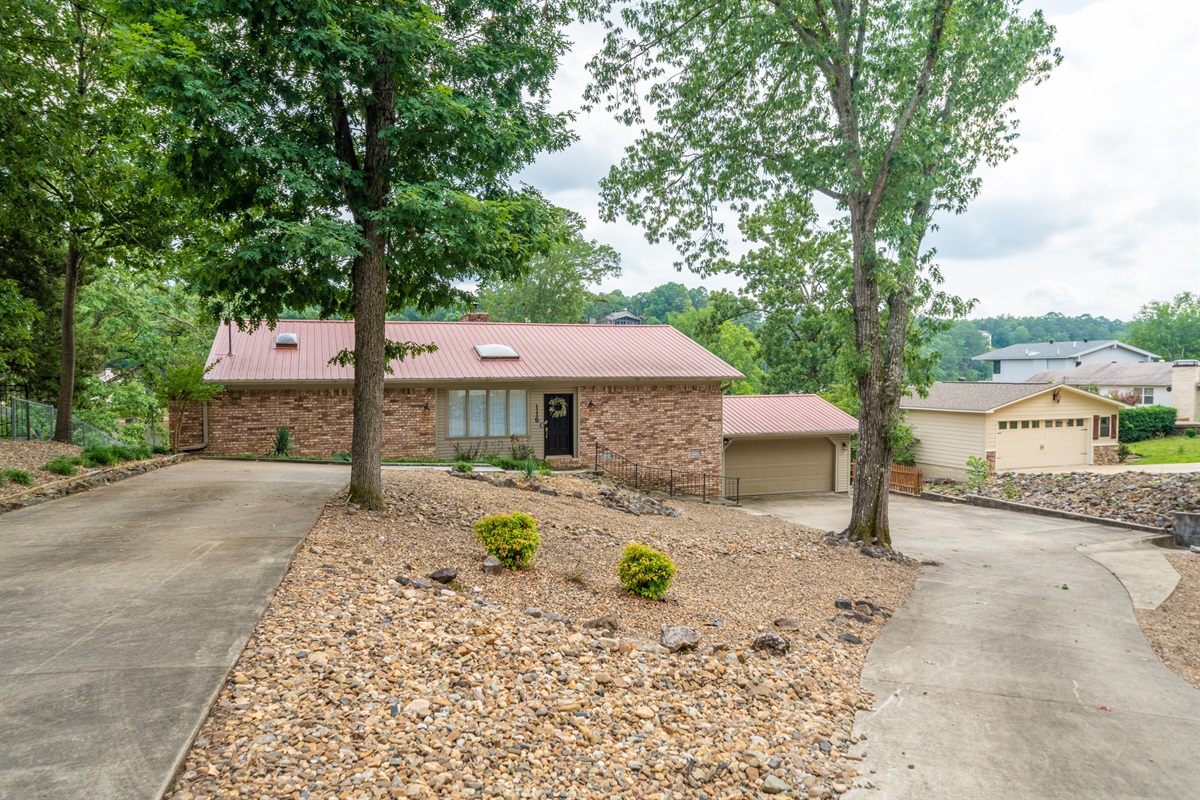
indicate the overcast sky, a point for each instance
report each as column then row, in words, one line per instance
column 1098, row 212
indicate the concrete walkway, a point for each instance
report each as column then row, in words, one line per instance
column 1016, row 670
column 122, row 610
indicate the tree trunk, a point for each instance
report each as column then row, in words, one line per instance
column 872, row 475
column 370, row 282
column 369, row 275
column 66, row 370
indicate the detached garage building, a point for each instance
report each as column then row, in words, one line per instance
column 788, row 443
column 1011, row 426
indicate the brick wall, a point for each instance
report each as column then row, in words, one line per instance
column 656, row 425
column 319, row 420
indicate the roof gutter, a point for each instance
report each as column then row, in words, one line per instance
column 193, row 448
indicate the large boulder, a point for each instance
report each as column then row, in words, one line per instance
column 679, row 637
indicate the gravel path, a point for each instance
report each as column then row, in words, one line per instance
column 1173, row 628
column 30, row 456
column 1139, row 497
column 355, row 686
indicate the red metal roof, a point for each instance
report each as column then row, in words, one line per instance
column 767, row 414
column 574, row 352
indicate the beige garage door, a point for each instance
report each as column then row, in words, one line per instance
column 781, row 466
column 1028, row 448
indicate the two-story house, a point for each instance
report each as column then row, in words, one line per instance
column 1018, row 363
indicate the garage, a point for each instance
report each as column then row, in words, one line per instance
column 1010, row 426
column 787, row 444
column 1053, row 443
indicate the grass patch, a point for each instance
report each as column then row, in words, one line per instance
column 1172, row 450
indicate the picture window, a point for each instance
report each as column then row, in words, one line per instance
column 487, row 412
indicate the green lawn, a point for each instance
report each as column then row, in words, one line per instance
column 1175, row 450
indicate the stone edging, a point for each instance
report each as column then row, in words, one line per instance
column 81, row 483
column 1007, row 505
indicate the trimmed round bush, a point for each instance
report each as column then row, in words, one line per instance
column 512, row 538
column 645, row 571
column 1190, row 433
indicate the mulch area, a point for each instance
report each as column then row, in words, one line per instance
column 30, row 456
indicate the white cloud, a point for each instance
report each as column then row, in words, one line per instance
column 1097, row 213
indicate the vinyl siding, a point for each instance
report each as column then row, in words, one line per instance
column 1071, row 405
column 534, row 396
column 842, row 470
column 947, row 440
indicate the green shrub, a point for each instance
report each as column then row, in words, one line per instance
column 497, row 460
column 977, row 472
column 100, row 455
column 644, row 571
column 340, row 457
column 469, row 451
column 160, row 450
column 1190, row 433
column 903, row 443
column 63, row 465
column 529, row 468
column 283, row 443
column 463, row 466
column 521, row 452
column 512, row 538
column 1124, row 451
column 1146, row 422
column 19, row 476
column 125, row 452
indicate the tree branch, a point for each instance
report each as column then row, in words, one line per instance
column 931, row 55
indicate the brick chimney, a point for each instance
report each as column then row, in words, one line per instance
column 1184, row 392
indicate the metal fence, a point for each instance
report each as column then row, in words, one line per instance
column 29, row 419
column 660, row 479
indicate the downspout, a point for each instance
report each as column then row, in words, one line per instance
column 193, row 448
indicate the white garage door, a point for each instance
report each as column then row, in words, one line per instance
column 781, row 466
column 1028, row 448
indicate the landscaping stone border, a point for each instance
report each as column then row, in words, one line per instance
column 1008, row 505
column 81, row 483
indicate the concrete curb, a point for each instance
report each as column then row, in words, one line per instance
column 1007, row 505
column 81, row 483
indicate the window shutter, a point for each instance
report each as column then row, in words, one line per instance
column 1096, row 427
column 1113, row 427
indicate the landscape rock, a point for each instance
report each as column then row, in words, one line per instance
column 492, row 566
column 608, row 622
column 679, row 637
column 774, row 785
column 785, row 624
column 444, row 575
column 850, row 637
column 772, row 644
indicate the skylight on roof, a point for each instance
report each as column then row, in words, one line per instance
column 494, row 351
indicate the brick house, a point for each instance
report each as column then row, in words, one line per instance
column 647, row 392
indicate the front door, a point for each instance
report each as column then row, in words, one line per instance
column 560, row 424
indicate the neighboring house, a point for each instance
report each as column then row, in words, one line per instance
column 1148, row 384
column 1019, row 362
column 1010, row 426
column 623, row 318
column 781, row 444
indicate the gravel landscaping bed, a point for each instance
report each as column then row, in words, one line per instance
column 1173, row 628
column 1139, row 497
column 356, row 685
column 30, row 456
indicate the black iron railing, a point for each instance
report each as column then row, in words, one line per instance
column 664, row 479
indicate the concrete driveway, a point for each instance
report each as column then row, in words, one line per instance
column 1016, row 670
column 122, row 610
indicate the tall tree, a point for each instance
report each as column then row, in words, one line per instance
column 79, row 161
column 360, row 153
column 555, row 288
column 885, row 107
column 1169, row 329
